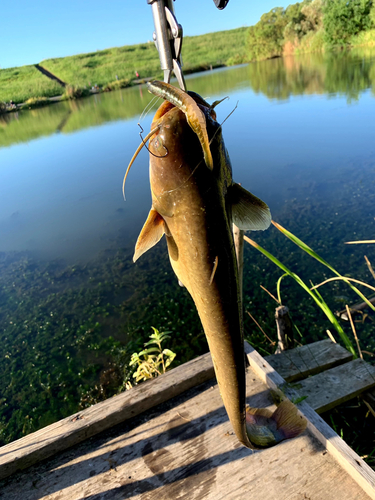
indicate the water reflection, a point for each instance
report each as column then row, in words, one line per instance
column 340, row 73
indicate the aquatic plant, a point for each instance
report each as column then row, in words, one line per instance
column 317, row 297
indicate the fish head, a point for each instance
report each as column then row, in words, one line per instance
column 177, row 165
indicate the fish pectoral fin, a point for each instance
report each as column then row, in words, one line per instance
column 248, row 211
column 151, row 233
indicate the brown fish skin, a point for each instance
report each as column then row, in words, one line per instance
column 191, row 200
column 194, row 207
column 198, row 232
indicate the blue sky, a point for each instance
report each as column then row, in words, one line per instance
column 33, row 31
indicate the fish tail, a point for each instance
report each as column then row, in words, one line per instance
column 265, row 428
column 289, row 422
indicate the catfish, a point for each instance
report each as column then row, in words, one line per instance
column 194, row 204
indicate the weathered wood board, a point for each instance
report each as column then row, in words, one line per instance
column 309, row 359
column 337, row 385
column 344, row 455
column 80, row 426
column 186, row 449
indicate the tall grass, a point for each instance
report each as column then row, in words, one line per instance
column 117, row 67
column 313, row 292
column 19, row 84
column 121, row 63
column 103, row 66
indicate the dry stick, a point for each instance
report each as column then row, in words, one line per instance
column 369, row 407
column 344, row 278
column 269, row 293
column 354, row 331
column 331, row 336
column 355, row 308
column 370, row 267
column 261, row 329
column 357, row 242
column 284, row 329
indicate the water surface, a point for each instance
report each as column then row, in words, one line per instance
column 72, row 304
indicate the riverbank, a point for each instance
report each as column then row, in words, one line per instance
column 117, row 67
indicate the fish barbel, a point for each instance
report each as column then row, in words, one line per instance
column 194, row 203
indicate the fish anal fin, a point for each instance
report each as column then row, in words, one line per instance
column 248, row 211
column 151, row 233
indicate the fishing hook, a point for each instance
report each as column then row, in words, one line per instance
column 145, row 145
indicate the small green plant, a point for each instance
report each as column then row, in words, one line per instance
column 152, row 361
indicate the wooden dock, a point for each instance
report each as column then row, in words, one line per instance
column 170, row 438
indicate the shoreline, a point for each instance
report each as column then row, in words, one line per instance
column 40, row 102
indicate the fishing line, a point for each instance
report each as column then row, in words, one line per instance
column 150, row 134
column 221, row 124
column 148, row 108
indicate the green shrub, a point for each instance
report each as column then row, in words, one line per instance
column 73, row 92
column 342, row 19
column 312, row 42
column 117, row 84
column 265, row 39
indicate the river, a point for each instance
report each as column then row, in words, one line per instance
column 300, row 132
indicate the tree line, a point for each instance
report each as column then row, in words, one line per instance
column 310, row 25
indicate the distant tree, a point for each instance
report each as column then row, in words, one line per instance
column 303, row 18
column 295, row 18
column 313, row 16
column 265, row 39
column 345, row 18
column 372, row 16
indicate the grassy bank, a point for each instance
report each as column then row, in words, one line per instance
column 116, row 67
column 19, row 84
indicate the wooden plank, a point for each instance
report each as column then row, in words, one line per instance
column 74, row 429
column 186, row 449
column 345, row 456
column 309, row 359
column 333, row 387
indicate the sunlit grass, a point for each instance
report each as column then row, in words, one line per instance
column 116, row 67
column 19, row 84
column 312, row 291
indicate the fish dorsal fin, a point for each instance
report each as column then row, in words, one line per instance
column 248, row 211
column 151, row 233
